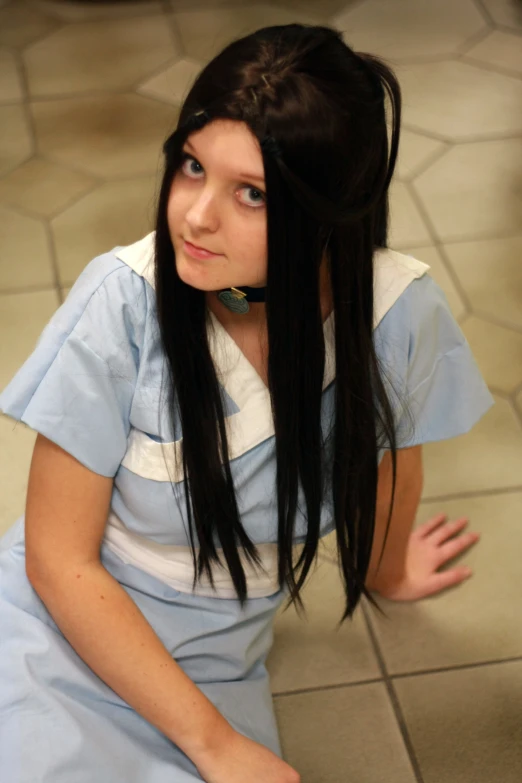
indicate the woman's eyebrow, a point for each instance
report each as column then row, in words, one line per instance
column 240, row 175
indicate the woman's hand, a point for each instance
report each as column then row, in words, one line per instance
column 241, row 760
column 430, row 546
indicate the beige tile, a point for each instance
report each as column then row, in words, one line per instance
column 117, row 213
column 476, row 621
column 15, row 139
column 406, row 224
column 24, row 252
column 487, row 457
column 476, row 102
column 491, row 274
column 16, row 448
column 309, row 653
column 74, row 11
column 415, row 151
column 506, row 12
column 413, row 29
column 42, row 187
column 21, row 23
column 322, row 10
column 498, row 352
column 172, row 84
column 22, row 319
column 126, row 51
column 438, row 271
column 205, row 32
column 10, row 84
column 343, row 735
column 499, row 48
column 474, row 190
column 107, row 136
column 465, row 725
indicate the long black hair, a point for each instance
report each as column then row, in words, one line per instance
column 317, row 109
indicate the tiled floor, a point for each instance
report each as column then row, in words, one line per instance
column 87, row 93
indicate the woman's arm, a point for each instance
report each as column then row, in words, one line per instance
column 408, row 492
column 66, row 512
column 412, row 558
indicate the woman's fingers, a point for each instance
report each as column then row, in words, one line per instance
column 448, row 530
column 441, row 580
column 428, row 527
column 456, row 546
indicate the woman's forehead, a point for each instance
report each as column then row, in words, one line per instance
column 229, row 144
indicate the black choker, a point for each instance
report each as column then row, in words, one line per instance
column 237, row 299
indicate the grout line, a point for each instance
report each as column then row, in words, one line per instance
column 156, row 72
column 392, row 695
column 438, row 244
column 35, row 289
column 484, row 11
column 482, row 65
column 175, row 33
column 321, row 688
column 433, row 158
column 505, row 28
column 470, row 495
column 457, row 667
column 472, row 41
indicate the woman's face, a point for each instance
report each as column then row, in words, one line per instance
column 218, row 202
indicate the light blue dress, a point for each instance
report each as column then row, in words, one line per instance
column 92, row 385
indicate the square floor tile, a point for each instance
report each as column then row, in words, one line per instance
column 476, row 621
column 311, row 653
column 343, row 735
column 465, row 725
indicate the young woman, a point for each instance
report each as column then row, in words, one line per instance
column 210, row 402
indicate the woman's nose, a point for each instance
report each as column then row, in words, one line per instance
column 202, row 213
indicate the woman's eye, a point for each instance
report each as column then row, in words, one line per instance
column 190, row 166
column 256, row 198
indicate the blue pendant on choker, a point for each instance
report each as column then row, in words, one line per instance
column 237, row 299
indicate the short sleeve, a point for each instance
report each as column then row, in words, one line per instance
column 443, row 391
column 77, row 386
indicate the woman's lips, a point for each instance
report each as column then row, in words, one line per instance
column 197, row 252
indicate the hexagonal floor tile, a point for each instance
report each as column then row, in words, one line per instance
column 24, row 251
column 415, row 152
column 108, row 136
column 491, row 274
column 21, row 23
column 500, row 49
column 206, row 32
column 172, row 84
column 475, row 621
column 16, row 448
column 117, row 213
column 498, row 352
column 15, row 140
column 487, row 457
column 126, row 50
column 79, row 11
column 344, row 735
column 10, row 84
column 310, row 653
column 476, row 102
column 406, row 224
column 474, row 190
column 409, row 29
column 322, row 10
column 430, row 255
column 22, row 320
column 465, row 725
column 43, row 188
column 505, row 12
